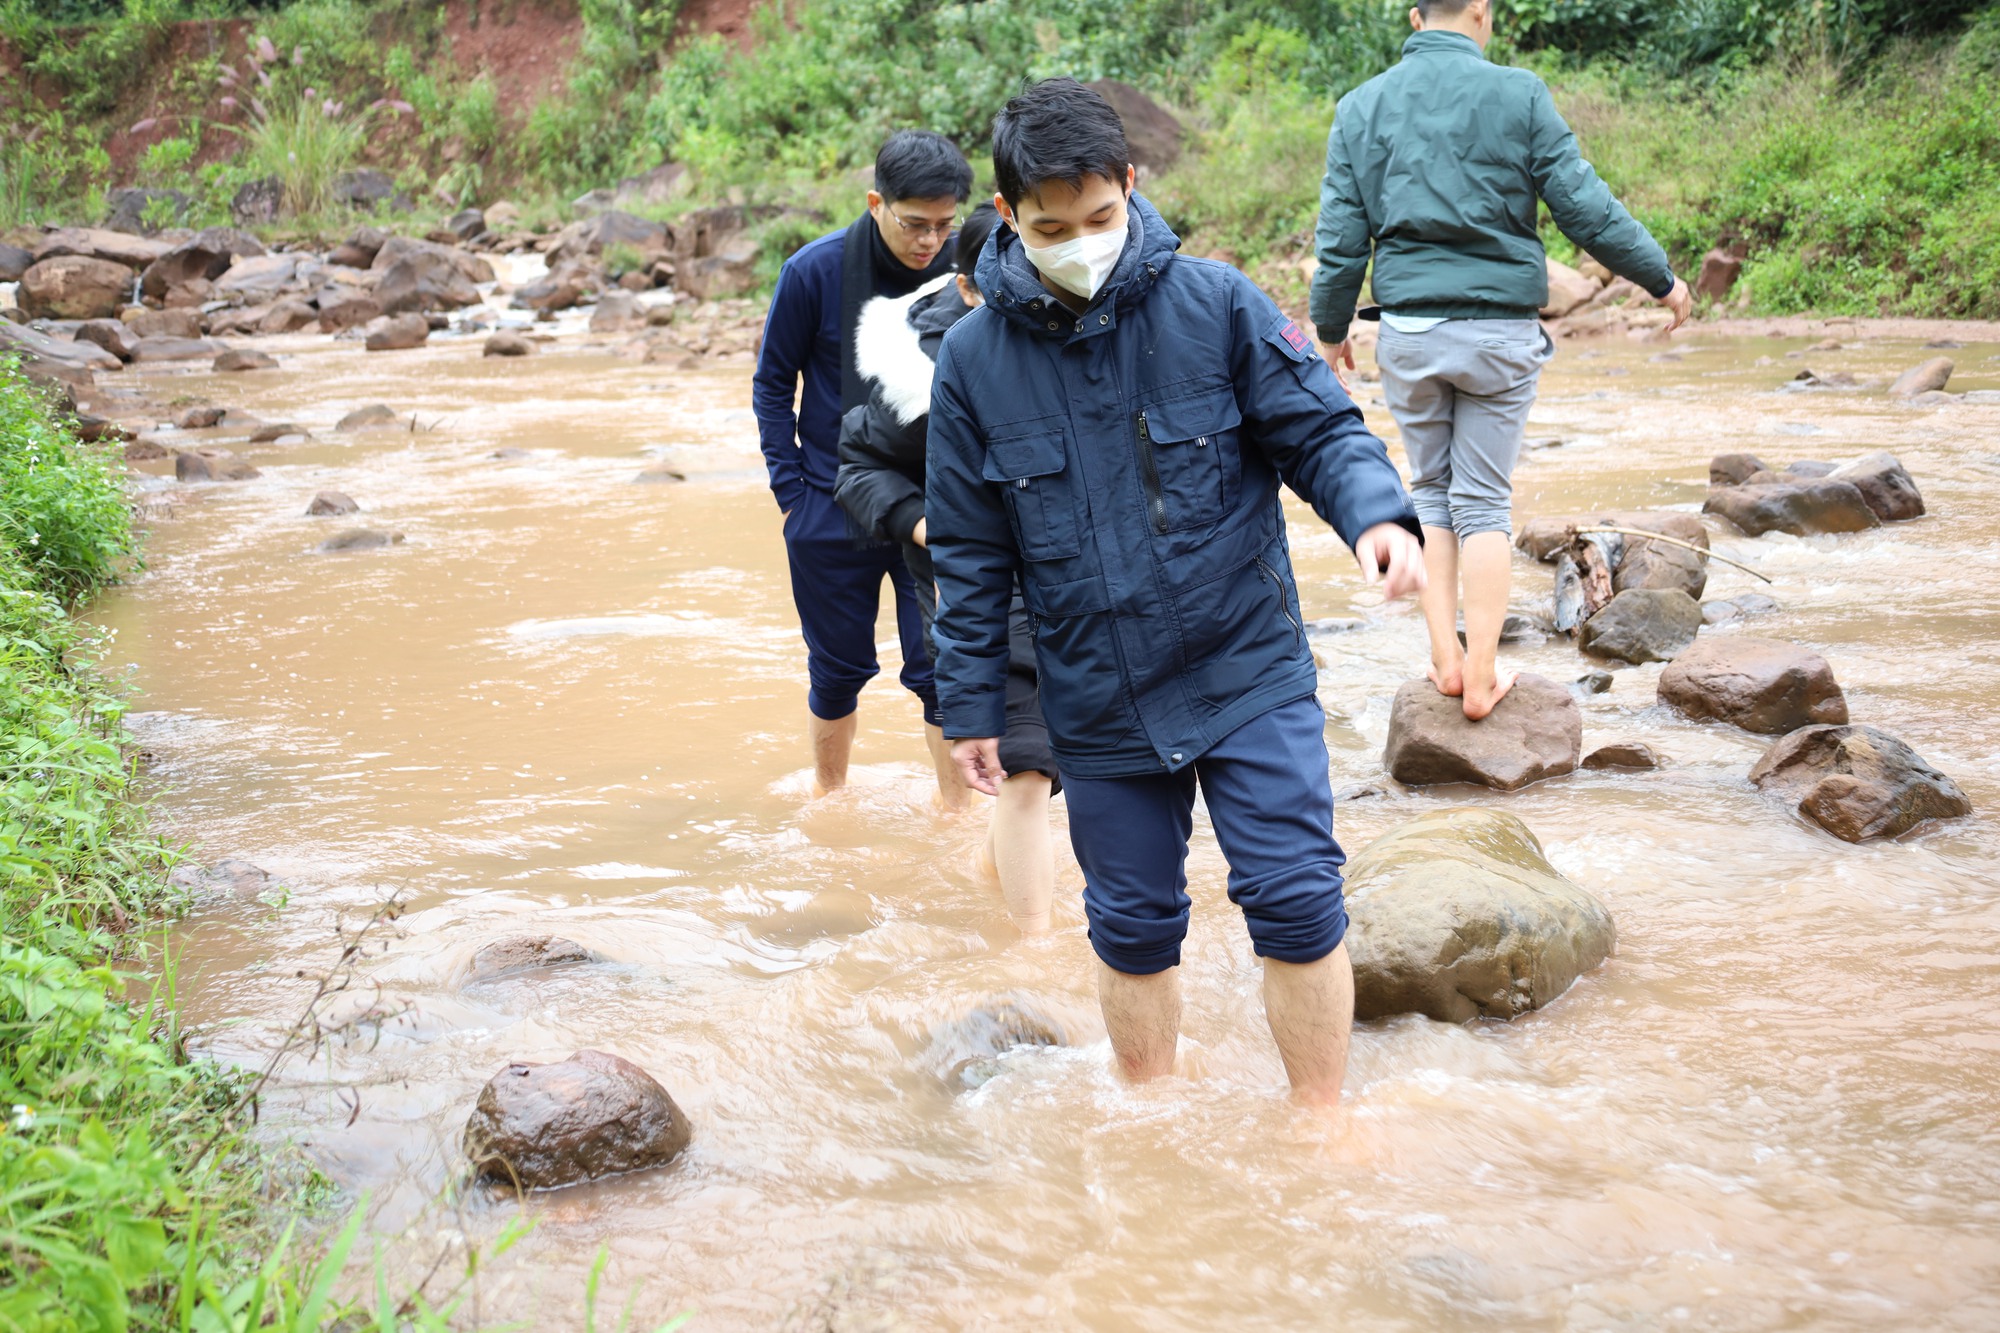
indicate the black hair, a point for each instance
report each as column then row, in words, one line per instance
column 919, row 164
column 972, row 237
column 1056, row 130
column 1443, row 9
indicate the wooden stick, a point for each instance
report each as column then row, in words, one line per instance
column 1674, row 541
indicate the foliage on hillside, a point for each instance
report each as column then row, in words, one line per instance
column 1847, row 145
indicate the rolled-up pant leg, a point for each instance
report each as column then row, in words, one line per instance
column 1131, row 839
column 1271, row 802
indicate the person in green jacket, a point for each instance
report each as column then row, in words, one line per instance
column 1436, row 167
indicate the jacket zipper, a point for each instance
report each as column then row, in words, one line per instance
column 1284, row 602
column 1149, row 477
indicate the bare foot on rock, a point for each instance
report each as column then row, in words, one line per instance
column 1480, row 701
column 1450, row 681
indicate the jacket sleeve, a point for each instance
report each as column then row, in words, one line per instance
column 1583, row 205
column 1342, row 243
column 973, row 550
column 1298, row 415
column 789, row 330
column 883, row 502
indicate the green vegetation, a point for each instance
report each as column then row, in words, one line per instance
column 1848, row 147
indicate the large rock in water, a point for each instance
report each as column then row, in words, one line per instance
column 592, row 1115
column 1886, row 487
column 399, row 333
column 1549, row 535
column 75, row 287
column 1858, row 783
column 1931, row 376
column 1535, row 733
column 421, row 277
column 1458, row 915
column 203, row 257
column 1734, row 469
column 1761, row 685
column 1801, row 507
column 1643, row 625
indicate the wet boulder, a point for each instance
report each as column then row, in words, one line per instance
column 205, row 417
column 265, row 278
column 165, row 324
column 527, row 953
column 176, row 349
column 110, row 334
column 1734, row 469
column 398, row 333
column 559, row 289
column 363, row 418
column 244, row 358
column 542, row 1126
column 966, row 1051
column 207, row 464
column 360, row 539
column 399, row 248
column 1810, row 505
column 1643, row 625
column 1536, row 732
column 286, row 316
column 359, row 250
column 203, row 257
column 230, row 877
column 423, row 280
column 1458, row 915
column 74, row 287
column 117, row 247
column 1625, row 754
column 343, row 308
column 616, row 312
column 331, row 504
column 14, row 261
column 271, row 432
column 1858, row 783
column 1661, row 566
column 1742, row 607
column 1886, row 486
column 506, row 343
column 1569, row 290
column 1930, row 377
column 66, row 360
column 1761, row 685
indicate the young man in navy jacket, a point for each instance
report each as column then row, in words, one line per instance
column 1112, row 425
column 898, row 245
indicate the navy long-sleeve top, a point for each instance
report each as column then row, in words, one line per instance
column 802, row 337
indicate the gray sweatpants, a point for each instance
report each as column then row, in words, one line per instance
column 1460, row 392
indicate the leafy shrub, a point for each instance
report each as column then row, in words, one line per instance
column 61, row 507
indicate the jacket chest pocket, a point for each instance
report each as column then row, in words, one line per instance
column 1032, row 474
column 1191, row 459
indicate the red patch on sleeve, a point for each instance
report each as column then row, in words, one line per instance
column 1296, row 336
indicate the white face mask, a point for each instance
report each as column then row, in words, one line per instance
column 1080, row 265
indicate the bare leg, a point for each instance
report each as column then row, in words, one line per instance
column 1310, row 1007
column 1488, row 568
column 833, row 743
column 1143, row 1015
column 1439, row 600
column 952, row 792
column 1022, row 852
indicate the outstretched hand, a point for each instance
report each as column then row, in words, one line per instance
column 1391, row 555
column 978, row 761
column 1680, row 301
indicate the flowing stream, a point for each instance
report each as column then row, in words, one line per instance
column 570, row 703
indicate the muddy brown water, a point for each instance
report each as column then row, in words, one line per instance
column 570, row 703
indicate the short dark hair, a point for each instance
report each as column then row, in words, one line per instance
column 1056, row 130
column 972, row 237
column 920, row 164
column 1441, row 8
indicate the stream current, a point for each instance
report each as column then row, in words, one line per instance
column 572, row 704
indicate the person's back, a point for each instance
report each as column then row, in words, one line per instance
column 1436, row 169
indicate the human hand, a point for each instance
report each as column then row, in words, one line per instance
column 1339, row 355
column 978, row 760
column 1680, row 301
column 1390, row 555
column 917, row 533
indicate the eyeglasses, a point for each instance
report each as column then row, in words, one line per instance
column 914, row 230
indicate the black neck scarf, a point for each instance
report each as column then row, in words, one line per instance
column 868, row 270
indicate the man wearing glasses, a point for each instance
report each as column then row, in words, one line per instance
column 898, row 245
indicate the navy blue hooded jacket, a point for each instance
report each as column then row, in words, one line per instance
column 1125, row 461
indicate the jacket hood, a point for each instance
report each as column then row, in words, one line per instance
column 890, row 344
column 1013, row 286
